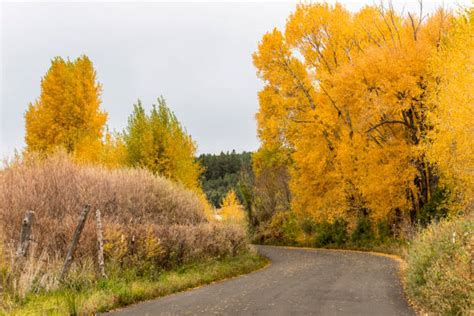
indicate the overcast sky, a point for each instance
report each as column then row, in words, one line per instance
column 197, row 55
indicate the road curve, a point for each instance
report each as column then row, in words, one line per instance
column 298, row 282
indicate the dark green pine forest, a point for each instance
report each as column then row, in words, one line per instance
column 224, row 172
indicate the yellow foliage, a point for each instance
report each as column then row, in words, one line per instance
column 115, row 244
column 67, row 113
column 159, row 143
column 110, row 153
column 209, row 210
column 346, row 99
column 231, row 211
column 452, row 138
column 144, row 247
column 150, row 246
column 67, row 116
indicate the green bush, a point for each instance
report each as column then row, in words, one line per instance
column 385, row 230
column 331, row 233
column 285, row 228
column 282, row 229
column 363, row 232
column 308, row 225
column 436, row 208
column 439, row 275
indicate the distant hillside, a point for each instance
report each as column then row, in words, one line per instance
column 224, row 172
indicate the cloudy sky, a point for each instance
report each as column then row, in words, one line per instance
column 197, row 55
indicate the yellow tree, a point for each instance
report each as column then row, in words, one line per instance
column 346, row 95
column 231, row 211
column 451, row 144
column 111, row 152
column 67, row 114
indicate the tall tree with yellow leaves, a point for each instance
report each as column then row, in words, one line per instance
column 67, row 114
column 110, row 152
column 346, row 95
column 451, row 144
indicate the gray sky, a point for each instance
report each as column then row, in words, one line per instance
column 197, row 55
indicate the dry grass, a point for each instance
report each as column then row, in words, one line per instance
column 56, row 189
column 150, row 223
column 170, row 246
column 120, row 290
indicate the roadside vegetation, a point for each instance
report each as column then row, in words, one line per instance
column 365, row 123
column 133, row 199
column 124, row 287
column 151, row 225
column 439, row 274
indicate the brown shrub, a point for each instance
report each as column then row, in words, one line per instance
column 56, row 189
column 168, row 246
column 150, row 223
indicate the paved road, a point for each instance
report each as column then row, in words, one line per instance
column 298, row 282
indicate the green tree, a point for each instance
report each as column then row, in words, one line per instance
column 223, row 173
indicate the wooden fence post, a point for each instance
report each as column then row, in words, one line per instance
column 25, row 234
column 100, row 244
column 75, row 241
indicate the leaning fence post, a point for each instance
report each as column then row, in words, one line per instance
column 75, row 241
column 25, row 234
column 100, row 244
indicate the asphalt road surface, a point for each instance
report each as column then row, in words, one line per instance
column 298, row 282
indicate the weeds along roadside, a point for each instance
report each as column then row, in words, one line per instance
column 124, row 287
column 439, row 270
column 151, row 225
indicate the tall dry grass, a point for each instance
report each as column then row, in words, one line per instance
column 56, row 189
column 173, row 245
column 149, row 221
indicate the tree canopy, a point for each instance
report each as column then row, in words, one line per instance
column 158, row 142
column 67, row 114
column 347, row 104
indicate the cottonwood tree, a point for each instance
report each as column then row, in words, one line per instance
column 67, row 114
column 346, row 94
column 451, row 144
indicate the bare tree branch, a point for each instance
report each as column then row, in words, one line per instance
column 387, row 122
